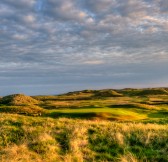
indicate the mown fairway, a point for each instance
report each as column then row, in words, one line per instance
column 105, row 125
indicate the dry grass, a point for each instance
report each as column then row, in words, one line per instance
column 128, row 158
column 29, row 139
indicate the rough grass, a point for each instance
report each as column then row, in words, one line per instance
column 29, row 139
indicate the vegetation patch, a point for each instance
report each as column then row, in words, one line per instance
column 23, row 110
column 91, row 125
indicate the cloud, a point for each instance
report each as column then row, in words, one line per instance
column 69, row 37
column 94, row 62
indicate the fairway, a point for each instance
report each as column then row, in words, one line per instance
column 104, row 113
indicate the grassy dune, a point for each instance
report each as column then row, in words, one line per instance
column 129, row 125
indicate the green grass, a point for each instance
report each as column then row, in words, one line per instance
column 104, row 113
column 127, row 125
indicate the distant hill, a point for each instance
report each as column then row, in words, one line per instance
column 119, row 92
column 103, row 92
column 107, row 93
column 145, row 91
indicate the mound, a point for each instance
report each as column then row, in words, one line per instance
column 153, row 92
column 18, row 100
column 107, row 93
column 144, row 92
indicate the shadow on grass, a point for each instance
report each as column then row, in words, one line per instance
column 123, row 106
column 84, row 115
column 72, row 115
column 93, row 116
column 159, row 114
column 52, row 107
column 158, row 103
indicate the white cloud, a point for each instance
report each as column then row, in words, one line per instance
column 29, row 18
column 94, row 62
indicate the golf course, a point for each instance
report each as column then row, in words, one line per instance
column 127, row 125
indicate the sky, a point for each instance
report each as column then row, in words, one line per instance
column 57, row 46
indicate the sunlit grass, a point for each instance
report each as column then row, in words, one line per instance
column 45, row 139
column 104, row 113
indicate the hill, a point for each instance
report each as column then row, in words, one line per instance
column 18, row 99
column 20, row 104
column 107, row 93
column 143, row 92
